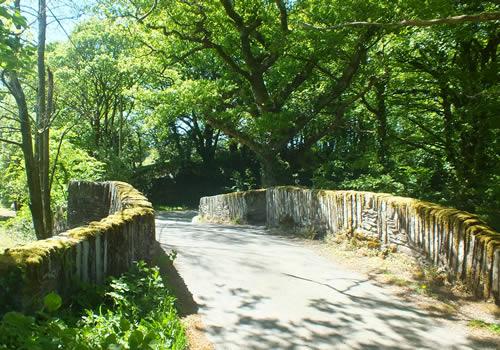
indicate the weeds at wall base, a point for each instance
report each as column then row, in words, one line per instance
column 490, row 327
column 135, row 311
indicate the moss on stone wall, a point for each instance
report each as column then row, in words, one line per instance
column 89, row 252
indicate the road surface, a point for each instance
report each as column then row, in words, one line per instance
column 255, row 290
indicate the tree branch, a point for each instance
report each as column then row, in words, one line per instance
column 368, row 105
column 228, row 6
column 238, row 135
column 295, row 83
column 348, row 73
column 340, row 110
column 254, row 63
column 56, row 159
column 480, row 17
column 426, row 129
column 283, row 15
column 228, row 59
column 149, row 12
column 10, row 142
column 423, row 146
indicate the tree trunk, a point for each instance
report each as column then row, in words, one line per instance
column 381, row 115
column 31, row 164
column 36, row 153
column 43, row 122
column 274, row 171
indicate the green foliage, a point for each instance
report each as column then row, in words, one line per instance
column 67, row 160
column 13, row 53
column 140, row 315
column 72, row 163
column 96, row 81
column 492, row 327
column 381, row 183
column 11, row 280
column 52, row 302
column 188, row 107
column 243, row 181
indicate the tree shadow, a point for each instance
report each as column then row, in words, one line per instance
column 344, row 311
column 341, row 326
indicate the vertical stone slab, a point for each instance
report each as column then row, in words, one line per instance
column 99, row 273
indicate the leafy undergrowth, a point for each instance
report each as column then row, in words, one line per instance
column 492, row 327
column 135, row 311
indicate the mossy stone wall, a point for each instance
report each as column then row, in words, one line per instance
column 239, row 207
column 87, row 202
column 88, row 253
column 456, row 240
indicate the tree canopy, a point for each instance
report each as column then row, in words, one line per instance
column 191, row 98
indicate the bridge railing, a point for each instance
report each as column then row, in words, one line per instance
column 112, row 226
column 458, row 241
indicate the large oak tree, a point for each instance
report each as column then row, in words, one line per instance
column 260, row 75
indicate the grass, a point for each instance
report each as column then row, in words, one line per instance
column 396, row 268
column 492, row 327
column 397, row 281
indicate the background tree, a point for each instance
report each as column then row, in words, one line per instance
column 271, row 78
column 186, row 99
column 95, row 74
column 34, row 143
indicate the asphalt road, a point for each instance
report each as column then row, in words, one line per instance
column 260, row 291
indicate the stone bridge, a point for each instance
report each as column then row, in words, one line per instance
column 256, row 290
column 458, row 241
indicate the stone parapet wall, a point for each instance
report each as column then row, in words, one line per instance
column 87, row 202
column 98, row 248
column 456, row 240
column 238, row 207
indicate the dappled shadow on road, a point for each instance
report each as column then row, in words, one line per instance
column 391, row 326
column 295, row 308
column 341, row 328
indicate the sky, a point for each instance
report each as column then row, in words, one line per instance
column 68, row 12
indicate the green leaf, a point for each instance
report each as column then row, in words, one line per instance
column 110, row 342
column 135, row 339
column 17, row 319
column 52, row 302
column 124, row 324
